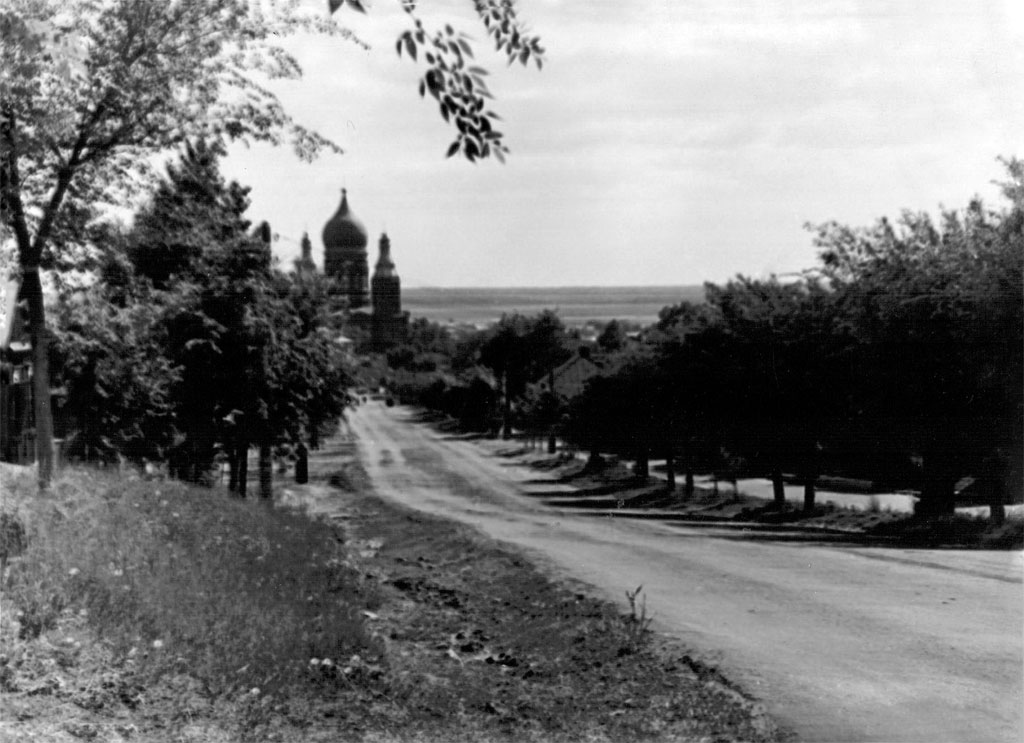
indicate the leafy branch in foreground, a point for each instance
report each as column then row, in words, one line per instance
column 454, row 81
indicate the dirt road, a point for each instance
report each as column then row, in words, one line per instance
column 842, row 643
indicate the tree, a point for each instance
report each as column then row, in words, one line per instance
column 316, row 305
column 690, row 341
column 89, row 90
column 117, row 378
column 612, row 337
column 782, row 348
column 192, row 212
column 519, row 350
column 252, row 349
column 937, row 312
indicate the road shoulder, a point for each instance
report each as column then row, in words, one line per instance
column 477, row 635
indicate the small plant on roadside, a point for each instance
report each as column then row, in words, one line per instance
column 638, row 623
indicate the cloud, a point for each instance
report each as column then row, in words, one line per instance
column 662, row 139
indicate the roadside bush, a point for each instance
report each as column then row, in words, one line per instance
column 179, row 580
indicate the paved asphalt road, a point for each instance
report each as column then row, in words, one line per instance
column 841, row 642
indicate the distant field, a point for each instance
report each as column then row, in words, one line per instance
column 575, row 304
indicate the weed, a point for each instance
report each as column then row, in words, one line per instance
column 638, row 624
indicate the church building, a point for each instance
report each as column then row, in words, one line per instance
column 345, row 258
column 345, row 254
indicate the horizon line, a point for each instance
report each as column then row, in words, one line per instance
column 552, row 286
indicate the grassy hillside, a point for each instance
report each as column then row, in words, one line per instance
column 150, row 610
column 175, row 576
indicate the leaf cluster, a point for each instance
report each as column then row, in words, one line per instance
column 454, row 81
column 89, row 89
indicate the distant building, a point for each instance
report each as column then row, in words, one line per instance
column 304, row 265
column 568, row 379
column 17, row 413
column 345, row 259
column 389, row 322
column 17, row 422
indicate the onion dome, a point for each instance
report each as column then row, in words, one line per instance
column 344, row 230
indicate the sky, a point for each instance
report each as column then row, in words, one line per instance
column 665, row 142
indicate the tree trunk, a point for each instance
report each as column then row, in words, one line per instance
column 243, row 466
column 778, row 487
column 642, row 468
column 670, row 472
column 938, row 497
column 301, row 464
column 194, row 469
column 809, row 494
column 688, row 488
column 30, row 253
column 811, row 469
column 33, row 290
column 232, row 468
column 552, row 443
column 993, row 480
column 506, row 408
column 997, row 511
column 266, row 469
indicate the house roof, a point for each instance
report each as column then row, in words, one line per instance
column 568, row 379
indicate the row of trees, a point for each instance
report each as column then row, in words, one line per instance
column 898, row 359
column 193, row 344
column 481, row 378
